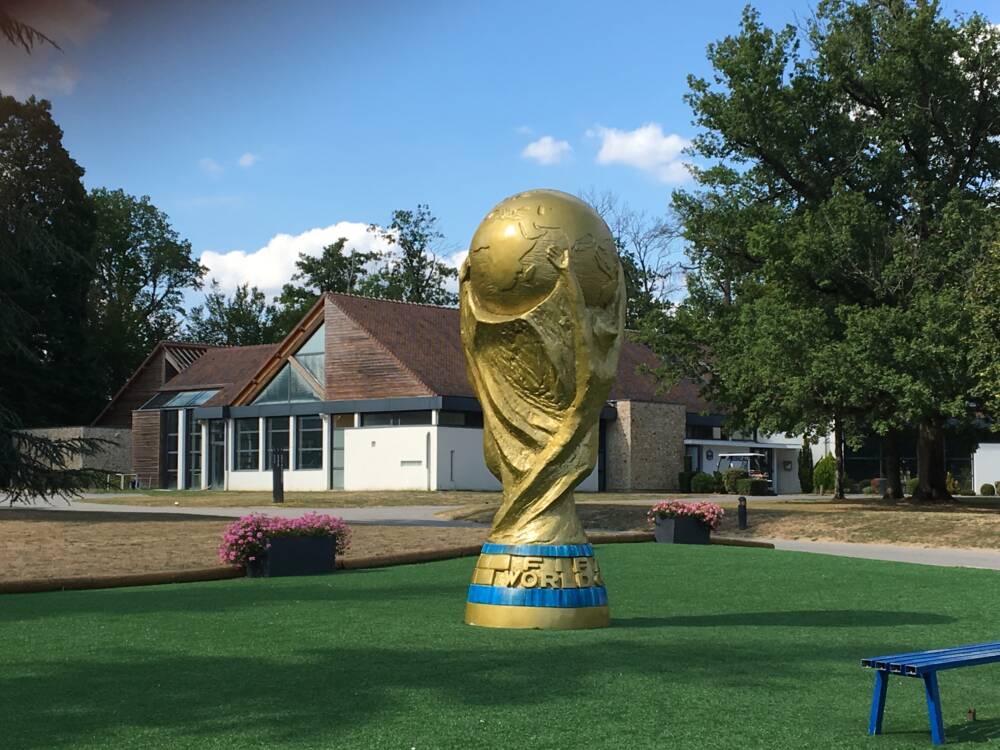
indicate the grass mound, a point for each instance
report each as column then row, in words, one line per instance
column 711, row 647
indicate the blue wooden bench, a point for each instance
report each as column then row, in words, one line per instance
column 926, row 665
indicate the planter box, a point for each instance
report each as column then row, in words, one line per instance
column 682, row 531
column 295, row 556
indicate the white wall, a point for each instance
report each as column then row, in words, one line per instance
column 389, row 458
column 787, row 482
column 985, row 465
column 395, row 458
column 460, row 461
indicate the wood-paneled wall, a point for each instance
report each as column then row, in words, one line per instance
column 146, row 447
column 156, row 372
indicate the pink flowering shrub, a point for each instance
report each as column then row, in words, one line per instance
column 709, row 514
column 249, row 537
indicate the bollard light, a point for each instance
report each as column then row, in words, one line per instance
column 741, row 512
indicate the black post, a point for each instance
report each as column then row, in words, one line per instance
column 277, row 476
column 741, row 512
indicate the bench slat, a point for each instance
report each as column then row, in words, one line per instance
column 928, row 658
column 883, row 662
column 944, row 656
column 966, row 661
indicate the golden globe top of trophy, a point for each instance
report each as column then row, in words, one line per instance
column 542, row 300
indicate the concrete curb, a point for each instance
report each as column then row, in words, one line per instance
column 82, row 583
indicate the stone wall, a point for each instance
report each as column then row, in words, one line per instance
column 645, row 446
column 115, row 456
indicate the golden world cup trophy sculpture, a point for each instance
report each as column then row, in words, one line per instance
column 542, row 308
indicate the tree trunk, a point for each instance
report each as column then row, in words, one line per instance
column 931, row 474
column 838, row 451
column 893, row 478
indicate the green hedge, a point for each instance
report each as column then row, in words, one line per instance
column 702, row 483
column 730, row 478
column 684, row 480
column 752, row 487
column 825, row 474
column 988, row 490
column 911, row 485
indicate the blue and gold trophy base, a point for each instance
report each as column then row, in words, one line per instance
column 545, row 586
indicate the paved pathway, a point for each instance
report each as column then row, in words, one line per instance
column 954, row 558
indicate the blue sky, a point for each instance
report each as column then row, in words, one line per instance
column 261, row 125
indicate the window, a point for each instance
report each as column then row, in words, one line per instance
column 705, row 432
column 698, row 432
column 170, row 448
column 277, row 440
column 247, row 444
column 175, row 400
column 311, row 355
column 287, row 386
column 460, row 418
column 192, row 461
column 341, row 422
column 309, row 442
column 395, row 418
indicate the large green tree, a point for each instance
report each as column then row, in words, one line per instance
column 411, row 270
column 984, row 298
column 335, row 269
column 46, row 256
column 849, row 171
column 143, row 268
column 244, row 319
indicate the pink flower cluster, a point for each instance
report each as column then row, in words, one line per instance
column 709, row 514
column 249, row 537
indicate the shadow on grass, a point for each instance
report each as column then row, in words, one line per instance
column 329, row 695
column 840, row 618
column 974, row 731
column 208, row 598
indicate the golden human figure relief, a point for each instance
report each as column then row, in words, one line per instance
column 542, row 312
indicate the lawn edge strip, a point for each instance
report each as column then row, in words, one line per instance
column 472, row 550
column 729, row 542
column 81, row 583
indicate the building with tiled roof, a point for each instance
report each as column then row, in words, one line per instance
column 373, row 394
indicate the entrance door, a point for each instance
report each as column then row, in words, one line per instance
column 217, row 454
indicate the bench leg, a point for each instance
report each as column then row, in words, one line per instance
column 878, row 701
column 934, row 708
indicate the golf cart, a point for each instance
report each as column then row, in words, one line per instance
column 754, row 464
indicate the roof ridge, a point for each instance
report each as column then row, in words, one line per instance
column 393, row 301
column 380, row 343
column 174, row 342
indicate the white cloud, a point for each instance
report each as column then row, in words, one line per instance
column 524, row 130
column 47, row 71
column 273, row 265
column 248, row 159
column 547, row 150
column 645, row 148
column 210, row 167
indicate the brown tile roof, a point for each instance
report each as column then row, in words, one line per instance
column 227, row 368
column 180, row 354
column 426, row 340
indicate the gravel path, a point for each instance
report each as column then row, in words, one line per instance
column 403, row 515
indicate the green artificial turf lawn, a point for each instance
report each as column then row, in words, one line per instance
column 712, row 647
